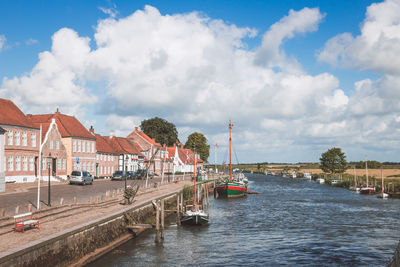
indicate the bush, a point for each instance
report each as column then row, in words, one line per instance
column 188, row 192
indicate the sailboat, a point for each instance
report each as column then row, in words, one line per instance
column 197, row 215
column 367, row 190
column 383, row 194
column 235, row 186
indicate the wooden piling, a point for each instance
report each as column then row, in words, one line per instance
column 29, row 207
column 178, row 210
column 162, row 219
column 91, row 200
column 2, row 212
column 75, row 200
column 157, row 222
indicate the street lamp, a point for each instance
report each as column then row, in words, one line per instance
column 48, row 167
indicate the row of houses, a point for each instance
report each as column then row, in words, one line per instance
column 66, row 145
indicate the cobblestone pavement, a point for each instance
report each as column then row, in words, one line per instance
column 23, row 194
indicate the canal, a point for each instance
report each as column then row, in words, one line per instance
column 292, row 222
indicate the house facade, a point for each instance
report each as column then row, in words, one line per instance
column 2, row 162
column 79, row 143
column 130, row 158
column 21, row 144
column 149, row 148
column 106, row 157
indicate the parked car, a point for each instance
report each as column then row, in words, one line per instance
column 130, row 175
column 81, row 177
column 118, row 175
column 140, row 174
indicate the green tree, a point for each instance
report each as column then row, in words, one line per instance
column 372, row 164
column 161, row 130
column 333, row 161
column 199, row 142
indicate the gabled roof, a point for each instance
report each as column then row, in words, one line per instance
column 122, row 146
column 103, row 146
column 147, row 138
column 68, row 126
column 10, row 114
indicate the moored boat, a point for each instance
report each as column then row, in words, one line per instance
column 234, row 187
column 382, row 194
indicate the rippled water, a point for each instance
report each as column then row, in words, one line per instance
column 292, row 222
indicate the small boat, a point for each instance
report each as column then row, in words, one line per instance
column 307, row 175
column 234, row 187
column 367, row 189
column 320, row 180
column 196, row 216
column 334, row 181
column 382, row 194
column 294, row 175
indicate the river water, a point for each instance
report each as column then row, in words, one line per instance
column 291, row 222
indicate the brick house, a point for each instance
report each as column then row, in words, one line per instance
column 183, row 159
column 54, row 153
column 130, row 158
column 21, row 146
column 149, row 147
column 106, row 157
column 79, row 143
column 2, row 161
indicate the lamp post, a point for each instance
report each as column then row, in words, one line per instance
column 48, row 200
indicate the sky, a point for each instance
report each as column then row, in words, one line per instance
column 295, row 77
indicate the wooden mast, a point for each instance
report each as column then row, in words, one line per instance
column 382, row 181
column 194, row 173
column 230, row 151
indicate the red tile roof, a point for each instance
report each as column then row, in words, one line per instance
column 122, row 146
column 68, row 126
column 10, row 114
column 147, row 138
column 103, row 146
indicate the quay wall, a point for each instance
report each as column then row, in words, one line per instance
column 72, row 246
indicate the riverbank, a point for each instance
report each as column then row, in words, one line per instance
column 68, row 233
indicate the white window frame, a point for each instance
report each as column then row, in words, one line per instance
column 93, row 147
column 25, row 163
column 79, row 146
column 83, row 146
column 88, row 147
column 17, row 138
column 24, row 139
column 10, row 163
column 64, row 165
column 10, row 138
column 17, row 163
column 57, row 144
column 74, row 146
column 31, row 163
column 33, row 139
column 58, row 164
column 51, row 144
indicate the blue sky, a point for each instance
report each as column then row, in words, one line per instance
column 285, row 72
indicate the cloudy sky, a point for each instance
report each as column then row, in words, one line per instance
column 295, row 77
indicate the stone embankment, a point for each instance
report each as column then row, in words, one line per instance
column 76, row 234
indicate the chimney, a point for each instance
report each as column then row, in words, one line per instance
column 136, row 128
column 91, row 128
column 57, row 110
column 111, row 134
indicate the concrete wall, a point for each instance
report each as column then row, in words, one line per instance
column 2, row 165
column 69, row 246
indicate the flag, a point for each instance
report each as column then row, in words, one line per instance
column 216, row 144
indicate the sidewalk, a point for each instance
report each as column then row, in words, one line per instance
column 60, row 218
column 12, row 188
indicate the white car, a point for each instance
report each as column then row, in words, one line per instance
column 81, row 177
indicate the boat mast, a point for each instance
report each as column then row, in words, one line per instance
column 230, row 151
column 366, row 170
column 382, row 181
column 194, row 173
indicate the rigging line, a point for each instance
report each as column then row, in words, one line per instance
column 237, row 161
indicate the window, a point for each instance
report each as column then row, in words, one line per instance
column 74, row 146
column 75, row 166
column 79, row 146
column 17, row 139
column 33, row 139
column 92, row 147
column 51, row 144
column 83, row 146
column 31, row 164
column 101, row 156
column 24, row 139
column 10, row 163
column 64, row 165
column 88, row 147
column 112, row 158
column 108, row 169
column 57, row 144
column 17, row 163
column 24, row 163
column 112, row 169
column 43, row 164
column 10, row 138
column 58, row 164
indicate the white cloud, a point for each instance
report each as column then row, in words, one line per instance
column 2, row 42
column 377, row 48
column 31, row 41
column 198, row 73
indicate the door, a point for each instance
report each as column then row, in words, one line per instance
column 54, row 169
